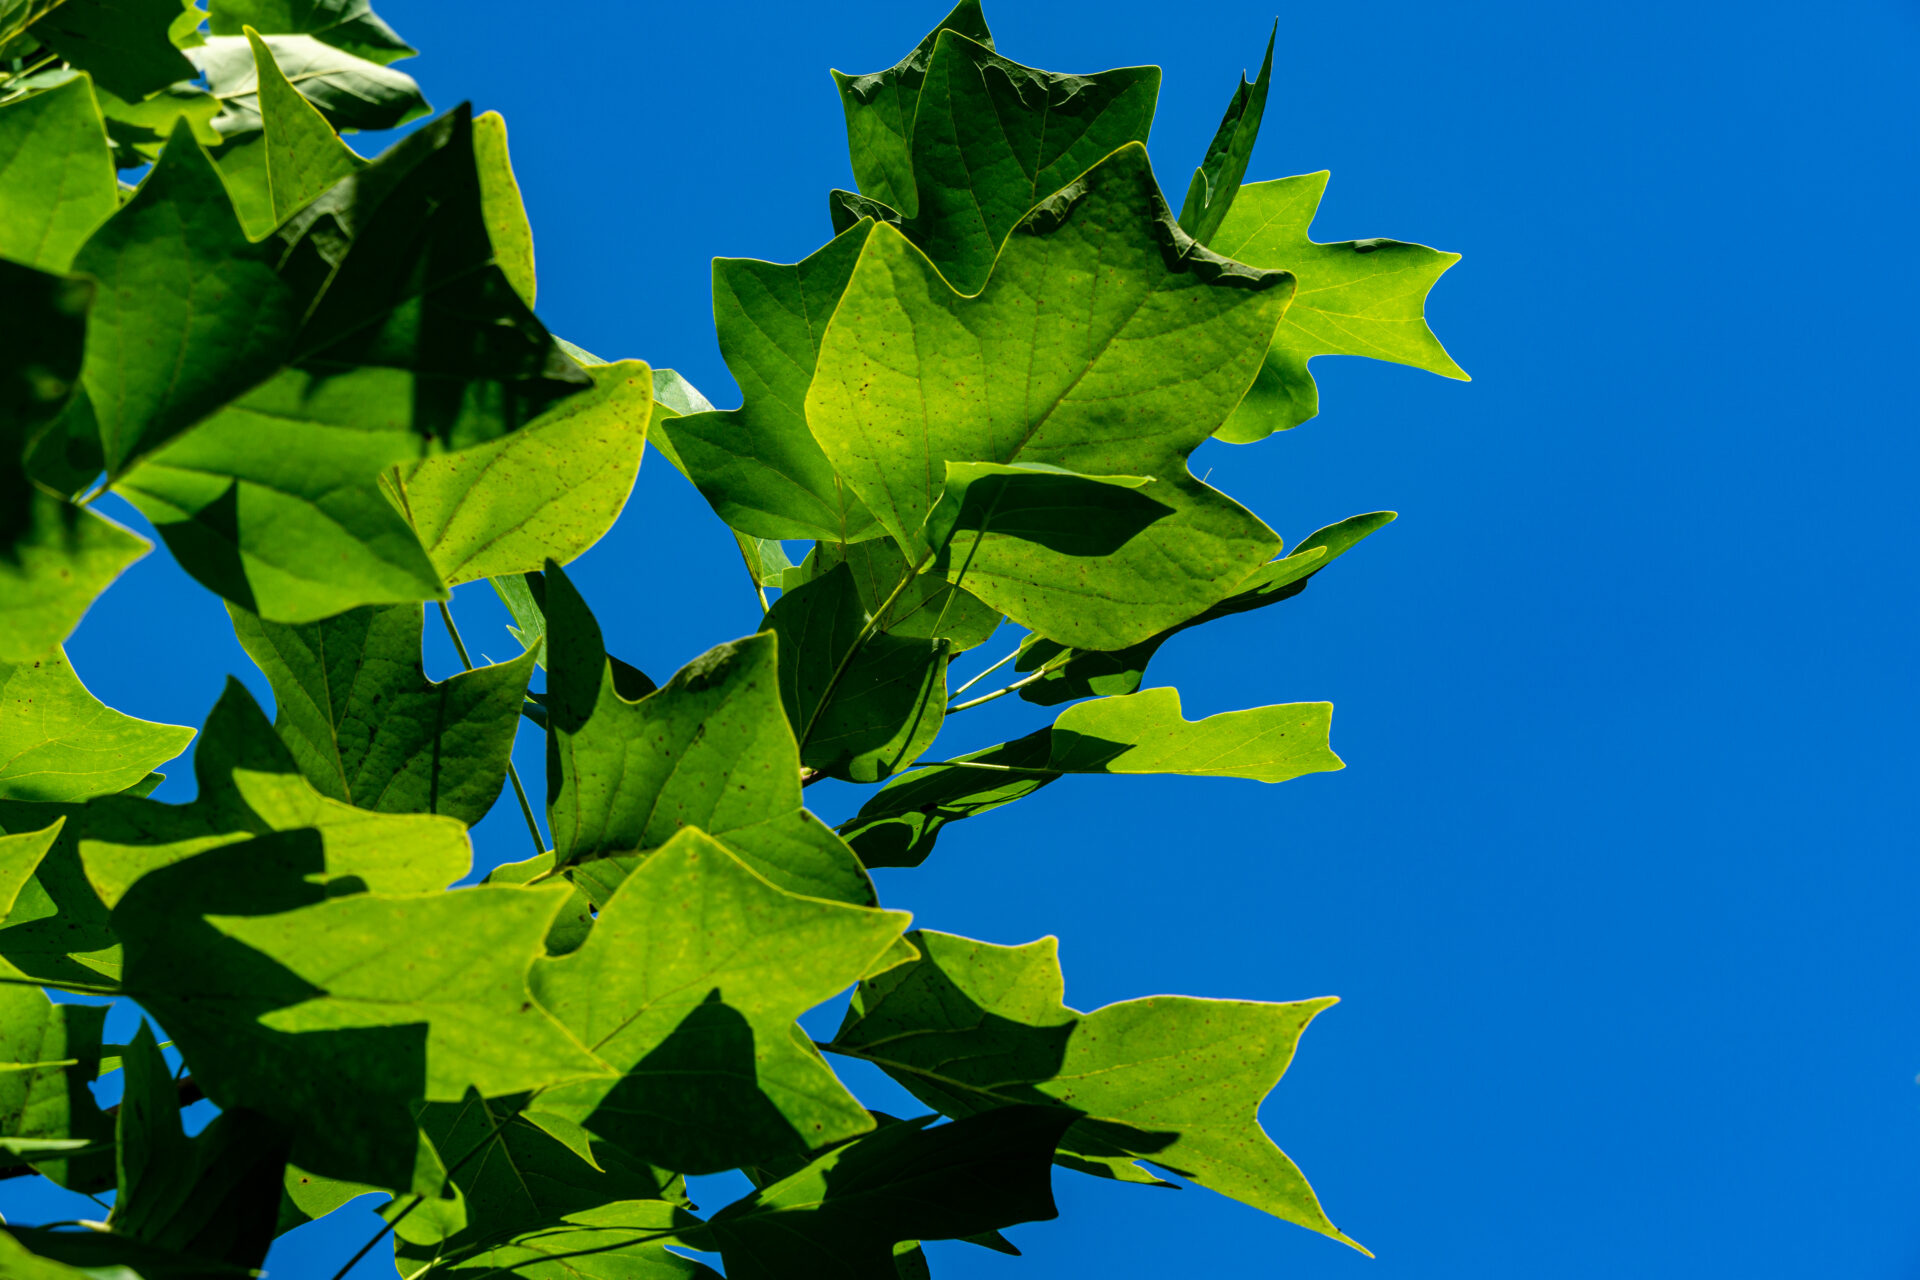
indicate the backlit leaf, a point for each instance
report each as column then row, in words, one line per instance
column 1354, row 298
column 351, row 25
column 689, row 986
column 65, row 557
column 1175, row 1080
column 1106, row 343
column 56, row 175
column 351, row 92
column 124, row 44
column 623, row 1240
column 500, row 201
column 59, row 743
column 304, row 154
column 49, row 1054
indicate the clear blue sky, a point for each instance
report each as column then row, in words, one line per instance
column 1620, row 885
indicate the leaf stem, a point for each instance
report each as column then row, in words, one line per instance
column 418, row 1200
column 984, row 674
column 866, row 633
column 741, row 545
column 513, row 774
column 1021, row 683
column 76, row 988
column 981, row 764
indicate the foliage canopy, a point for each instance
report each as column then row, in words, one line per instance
column 321, row 378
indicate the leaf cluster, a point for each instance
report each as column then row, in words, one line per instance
column 320, row 377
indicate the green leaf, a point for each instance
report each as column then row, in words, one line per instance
column 304, row 155
column 334, row 1017
column 351, row 92
column 56, row 175
column 863, row 703
column 1106, row 343
column 44, row 330
column 898, row 825
column 524, row 595
column 711, row 749
column 843, row 1214
column 548, row 491
column 17, row 15
column 20, row 857
column 1355, row 298
column 992, row 139
column 36, row 1253
column 60, row 744
column 766, row 559
column 215, row 1195
column 351, row 25
column 624, row 1240
column 188, row 309
column 1068, row 674
column 56, row 928
column 575, row 921
column 123, row 44
column 523, row 1181
column 880, row 111
column 500, row 202
column 66, row 556
column 1217, row 180
column 386, row 852
column 928, row 608
column 139, row 130
column 1138, row 733
column 974, row 1027
column 759, row 465
column 49, row 1054
column 243, row 167
column 367, row 727
column 689, row 986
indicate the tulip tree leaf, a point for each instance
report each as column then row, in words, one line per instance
column 863, row 702
column 1137, row 733
column 304, row 155
column 351, row 25
column 528, row 610
column 1355, row 298
column 60, row 744
column 335, row 1016
column 1215, row 183
column 1092, row 673
column 65, row 557
column 37, row 1253
column 620, row 1240
column 880, row 111
column 56, row 175
column 1175, row 1080
column 49, row 1054
column 991, row 139
column 188, row 308
column 844, row 1214
column 547, row 492
column 929, row 607
column 124, row 44
column 365, row 724
column 56, row 927
column 759, row 465
column 711, row 749
column 689, row 986
column 1106, row 343
column 500, row 202
column 351, row 92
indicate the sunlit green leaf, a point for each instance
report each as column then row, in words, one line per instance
column 500, row 201
column 928, row 608
column 366, row 725
column 1106, row 343
column 59, row 743
column 350, row 91
column 139, row 130
column 843, row 1214
column 351, row 25
column 689, row 986
column 1355, row 298
column 864, row 703
column 711, row 749
column 49, row 1054
column 623, row 1240
column 304, row 155
column 65, row 557
column 56, row 175
column 1175, row 1080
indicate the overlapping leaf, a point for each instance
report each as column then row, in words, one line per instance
column 351, row 25
column 1355, row 298
column 60, row 744
column 49, row 1054
column 1106, row 343
column 1176, row 1080
column 56, row 175
column 350, row 91
column 630, row 769
column 126, row 45
column 303, row 153
column 1216, row 182
column 365, row 724
column 688, row 986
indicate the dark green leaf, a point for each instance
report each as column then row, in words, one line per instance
column 126, row 45
column 1355, row 298
column 1106, row 343
column 65, row 557
column 304, row 154
column 973, row 1027
column 351, row 25
column 1217, row 180
column 628, row 769
column 367, row 727
column 991, row 139
column 880, row 110
column 60, row 744
column 34, row 1253
column 56, row 175
column 351, row 92
column 897, row 827
column 759, row 465
column 49, row 1054
column 139, row 130
column 863, row 703
column 929, row 608
column 843, row 1214
column 624, row 1240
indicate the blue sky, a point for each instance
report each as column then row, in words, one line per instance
column 1620, row 885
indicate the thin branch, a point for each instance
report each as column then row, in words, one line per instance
column 984, row 674
column 513, row 774
column 760, row 589
column 1017, row 685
